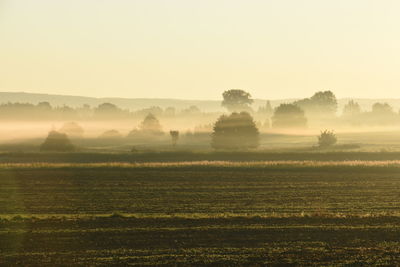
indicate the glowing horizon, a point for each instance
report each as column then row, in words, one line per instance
column 196, row 50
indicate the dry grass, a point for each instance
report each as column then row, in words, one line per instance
column 227, row 164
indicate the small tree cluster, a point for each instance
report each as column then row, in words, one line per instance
column 327, row 138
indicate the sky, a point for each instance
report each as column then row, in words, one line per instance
column 191, row 49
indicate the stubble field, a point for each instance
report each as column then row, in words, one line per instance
column 200, row 214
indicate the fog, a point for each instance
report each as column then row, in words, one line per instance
column 108, row 127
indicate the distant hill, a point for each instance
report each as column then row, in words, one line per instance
column 140, row 103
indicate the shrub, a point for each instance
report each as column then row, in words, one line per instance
column 57, row 142
column 236, row 131
column 327, row 139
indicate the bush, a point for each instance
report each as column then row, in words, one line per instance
column 57, row 142
column 289, row 116
column 236, row 131
column 327, row 139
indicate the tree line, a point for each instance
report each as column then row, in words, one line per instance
column 238, row 129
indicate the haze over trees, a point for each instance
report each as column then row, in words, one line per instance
column 236, row 100
column 352, row 108
column 266, row 110
column 150, row 125
column 382, row 109
column 107, row 110
column 110, row 134
column 72, row 129
column 196, row 125
column 322, row 103
column 289, row 116
column 236, row 131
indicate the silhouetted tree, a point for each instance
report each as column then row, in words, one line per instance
column 174, row 137
column 44, row 106
column 170, row 112
column 57, row 142
column 382, row 109
column 351, row 109
column 107, row 110
column 266, row 110
column 192, row 110
column 287, row 116
column 151, row 125
column 327, row 139
column 321, row 103
column 236, row 131
column 237, row 100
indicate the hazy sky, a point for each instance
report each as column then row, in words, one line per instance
column 197, row 49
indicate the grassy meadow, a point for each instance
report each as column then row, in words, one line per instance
column 209, row 209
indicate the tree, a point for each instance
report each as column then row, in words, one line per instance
column 154, row 110
column 174, row 137
column 382, row 109
column 57, row 142
column 351, row 109
column 170, row 112
column 289, row 116
column 321, row 103
column 327, row 139
column 192, row 110
column 151, row 125
column 107, row 110
column 44, row 106
column 236, row 100
column 266, row 110
column 235, row 132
